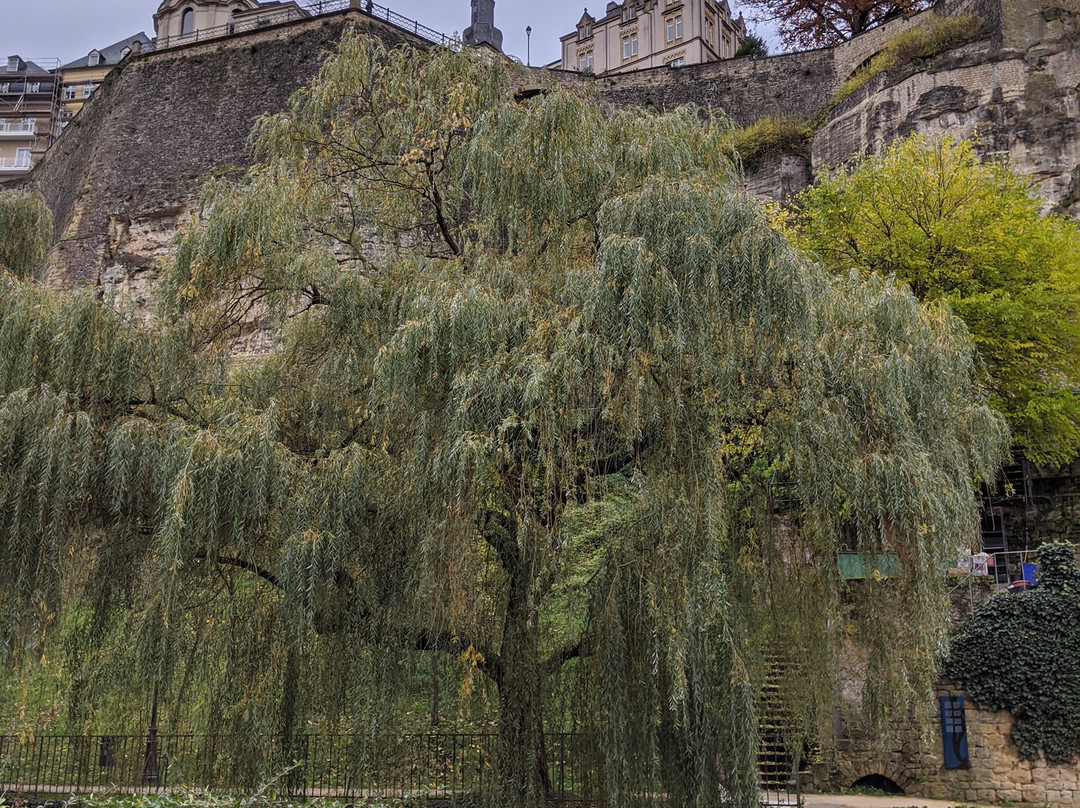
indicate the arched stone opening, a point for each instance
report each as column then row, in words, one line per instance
column 879, row 782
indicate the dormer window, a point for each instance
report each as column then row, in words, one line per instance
column 124, row 53
column 94, row 59
column 584, row 30
column 13, row 64
column 628, row 13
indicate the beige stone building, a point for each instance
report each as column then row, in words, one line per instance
column 636, row 34
column 179, row 22
column 81, row 77
column 29, row 114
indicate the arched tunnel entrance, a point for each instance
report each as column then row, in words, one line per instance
column 879, row 782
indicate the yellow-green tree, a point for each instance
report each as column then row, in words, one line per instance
column 969, row 233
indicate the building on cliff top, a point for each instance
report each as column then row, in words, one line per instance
column 81, row 77
column 29, row 114
column 179, row 22
column 636, row 34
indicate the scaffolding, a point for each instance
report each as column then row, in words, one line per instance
column 29, row 111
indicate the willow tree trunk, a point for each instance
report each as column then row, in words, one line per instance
column 522, row 755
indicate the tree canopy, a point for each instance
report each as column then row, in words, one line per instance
column 820, row 23
column 968, row 233
column 525, row 371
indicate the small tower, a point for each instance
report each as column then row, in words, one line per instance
column 483, row 30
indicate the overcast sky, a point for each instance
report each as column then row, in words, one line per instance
column 69, row 29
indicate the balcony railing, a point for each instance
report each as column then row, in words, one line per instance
column 21, row 129
column 313, row 8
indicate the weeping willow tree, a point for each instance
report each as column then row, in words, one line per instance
column 524, row 371
column 25, row 232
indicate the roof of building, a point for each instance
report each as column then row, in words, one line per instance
column 26, row 67
column 112, row 54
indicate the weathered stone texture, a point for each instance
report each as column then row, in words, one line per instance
column 129, row 169
column 1022, row 108
column 746, row 89
column 780, row 179
column 996, row 773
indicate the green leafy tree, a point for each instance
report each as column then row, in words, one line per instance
column 1019, row 652
column 526, row 371
column 753, row 46
column 969, row 234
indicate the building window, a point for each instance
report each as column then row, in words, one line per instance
column 87, row 89
column 5, row 87
column 629, row 46
column 628, row 13
column 589, row 62
column 124, row 53
column 22, row 158
column 34, row 88
column 581, row 62
column 187, row 22
column 584, row 31
column 677, row 62
column 94, row 59
column 671, row 30
column 709, row 29
column 69, row 93
column 678, row 27
column 13, row 64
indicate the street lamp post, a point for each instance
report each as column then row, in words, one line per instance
column 528, row 45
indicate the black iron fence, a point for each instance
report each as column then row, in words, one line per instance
column 449, row 766
column 305, row 9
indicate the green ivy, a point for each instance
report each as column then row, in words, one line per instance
column 1021, row 652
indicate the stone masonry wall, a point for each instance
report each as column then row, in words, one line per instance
column 996, row 773
column 746, row 89
column 130, row 166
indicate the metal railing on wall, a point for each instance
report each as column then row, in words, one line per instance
column 307, row 9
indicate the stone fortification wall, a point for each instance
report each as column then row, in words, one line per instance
column 746, row 89
column 796, row 84
column 129, row 167
column 126, row 172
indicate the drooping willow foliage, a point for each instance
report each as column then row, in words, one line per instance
column 26, row 228
column 529, row 369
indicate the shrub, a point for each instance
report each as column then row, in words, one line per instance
column 771, row 137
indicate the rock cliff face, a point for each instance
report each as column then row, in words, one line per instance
column 1017, row 92
column 128, row 169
